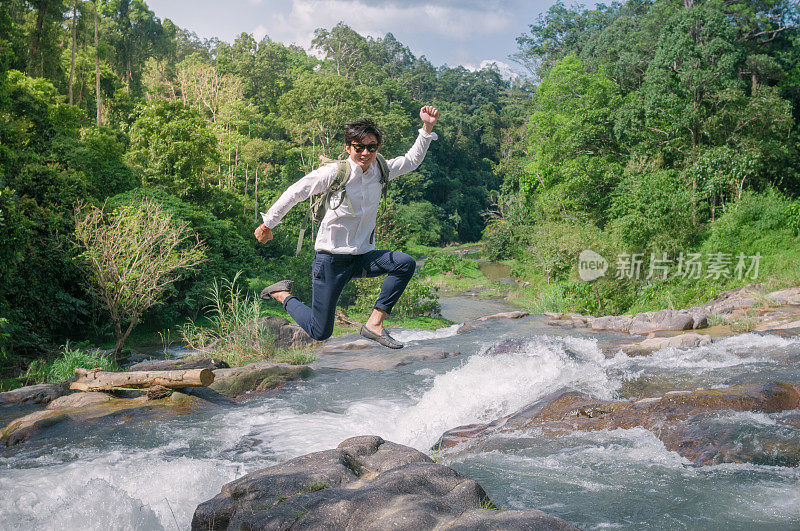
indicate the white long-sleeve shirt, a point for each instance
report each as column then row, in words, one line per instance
column 348, row 228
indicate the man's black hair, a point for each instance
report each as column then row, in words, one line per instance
column 358, row 130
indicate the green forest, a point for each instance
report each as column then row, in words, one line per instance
column 660, row 134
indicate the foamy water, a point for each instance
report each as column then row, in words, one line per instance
column 153, row 475
column 413, row 335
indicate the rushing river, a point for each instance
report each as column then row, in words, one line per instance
column 152, row 475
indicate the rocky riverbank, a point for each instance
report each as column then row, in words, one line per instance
column 733, row 312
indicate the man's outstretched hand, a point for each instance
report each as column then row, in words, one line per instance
column 429, row 116
column 263, row 233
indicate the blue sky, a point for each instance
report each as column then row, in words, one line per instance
column 452, row 32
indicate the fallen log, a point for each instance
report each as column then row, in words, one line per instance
column 95, row 379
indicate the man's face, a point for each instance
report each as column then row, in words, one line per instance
column 365, row 158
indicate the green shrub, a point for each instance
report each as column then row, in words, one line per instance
column 554, row 246
column 748, row 221
column 228, row 313
column 420, row 221
column 421, row 298
column 792, row 215
column 63, row 367
column 652, row 211
column 500, row 241
column 439, row 263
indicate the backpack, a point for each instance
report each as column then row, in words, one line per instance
column 318, row 204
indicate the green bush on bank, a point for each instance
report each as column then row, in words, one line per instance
column 759, row 228
column 63, row 367
column 230, row 328
column 439, row 262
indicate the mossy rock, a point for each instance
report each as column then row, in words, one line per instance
column 256, row 377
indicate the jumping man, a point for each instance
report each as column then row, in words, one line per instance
column 344, row 247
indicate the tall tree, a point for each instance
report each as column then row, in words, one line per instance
column 42, row 55
column 98, row 97
column 74, row 45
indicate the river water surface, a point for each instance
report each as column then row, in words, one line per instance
column 152, row 475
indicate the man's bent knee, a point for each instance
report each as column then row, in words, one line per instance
column 405, row 263
column 321, row 334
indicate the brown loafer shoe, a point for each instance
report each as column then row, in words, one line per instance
column 384, row 338
column 283, row 285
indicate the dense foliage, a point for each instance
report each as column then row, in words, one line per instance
column 657, row 130
column 103, row 103
column 660, row 129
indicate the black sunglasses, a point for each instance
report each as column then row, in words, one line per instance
column 372, row 148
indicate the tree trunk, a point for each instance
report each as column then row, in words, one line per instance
column 122, row 338
column 74, row 43
column 128, row 54
column 95, row 379
column 96, row 65
column 36, row 38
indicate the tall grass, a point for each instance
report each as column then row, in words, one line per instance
column 230, row 329
column 63, row 367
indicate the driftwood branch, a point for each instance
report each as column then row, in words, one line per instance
column 95, row 379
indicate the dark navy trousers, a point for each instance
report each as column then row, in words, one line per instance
column 330, row 273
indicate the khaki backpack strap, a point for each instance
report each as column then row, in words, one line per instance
column 316, row 208
column 302, row 233
column 384, row 167
column 339, row 182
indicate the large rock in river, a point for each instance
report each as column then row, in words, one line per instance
column 365, row 483
column 692, row 423
column 260, row 376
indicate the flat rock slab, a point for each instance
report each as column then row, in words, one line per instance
column 464, row 308
column 365, row 483
column 354, row 352
column 94, row 408
column 688, row 422
column 734, row 304
column 504, row 315
column 786, row 296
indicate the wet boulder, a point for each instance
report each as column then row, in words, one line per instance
column 654, row 343
column 690, row 423
column 617, row 323
column 569, row 320
column 365, row 483
column 35, row 394
column 237, row 381
column 646, row 322
column 504, row 315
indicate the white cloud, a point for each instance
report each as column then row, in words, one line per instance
column 507, row 72
column 259, row 32
column 452, row 21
